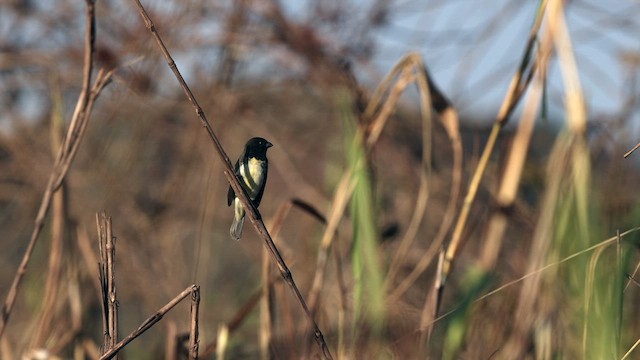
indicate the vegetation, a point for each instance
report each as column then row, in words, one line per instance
column 391, row 228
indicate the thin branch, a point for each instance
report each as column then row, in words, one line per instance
column 147, row 324
column 252, row 212
column 632, row 150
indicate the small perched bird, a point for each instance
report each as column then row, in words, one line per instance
column 251, row 168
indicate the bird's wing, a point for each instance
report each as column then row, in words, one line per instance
column 231, row 195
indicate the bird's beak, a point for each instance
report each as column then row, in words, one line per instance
column 269, row 144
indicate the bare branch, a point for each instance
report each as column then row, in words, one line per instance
column 147, row 324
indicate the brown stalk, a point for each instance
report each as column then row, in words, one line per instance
column 562, row 164
column 517, row 87
column 107, row 280
column 434, row 296
column 252, row 212
column 194, row 341
column 65, row 156
column 515, row 163
column 149, row 322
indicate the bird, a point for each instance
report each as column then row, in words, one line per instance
column 251, row 168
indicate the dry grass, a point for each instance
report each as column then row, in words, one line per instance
column 367, row 215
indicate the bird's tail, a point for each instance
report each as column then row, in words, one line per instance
column 236, row 227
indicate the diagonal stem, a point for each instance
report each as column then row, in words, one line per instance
column 251, row 211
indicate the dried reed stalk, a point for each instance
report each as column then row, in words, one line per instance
column 632, row 150
column 194, row 341
column 561, row 164
column 510, row 181
column 519, row 84
column 149, row 322
column 107, row 280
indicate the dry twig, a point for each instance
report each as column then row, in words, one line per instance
column 149, row 322
column 632, row 150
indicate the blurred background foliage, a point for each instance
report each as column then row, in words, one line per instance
column 276, row 70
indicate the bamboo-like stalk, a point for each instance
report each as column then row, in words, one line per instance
column 518, row 85
column 510, row 181
column 107, row 280
column 194, row 341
